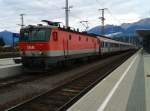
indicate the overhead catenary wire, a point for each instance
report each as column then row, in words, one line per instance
column 85, row 24
column 90, row 21
column 110, row 12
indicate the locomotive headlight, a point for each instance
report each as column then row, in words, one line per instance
column 40, row 52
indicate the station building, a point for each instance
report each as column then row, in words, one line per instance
column 145, row 34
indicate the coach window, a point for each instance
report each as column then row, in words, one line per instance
column 102, row 44
column 117, row 45
column 108, row 44
column 105, row 44
column 114, row 45
column 69, row 37
column 111, row 44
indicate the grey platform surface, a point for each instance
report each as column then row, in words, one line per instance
column 125, row 89
column 8, row 62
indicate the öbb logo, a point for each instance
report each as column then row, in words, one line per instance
column 30, row 47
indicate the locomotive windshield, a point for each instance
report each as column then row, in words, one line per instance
column 35, row 35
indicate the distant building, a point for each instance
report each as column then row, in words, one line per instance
column 145, row 34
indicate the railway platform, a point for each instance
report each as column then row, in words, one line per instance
column 126, row 89
column 8, row 62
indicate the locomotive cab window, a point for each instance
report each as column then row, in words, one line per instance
column 102, row 44
column 34, row 34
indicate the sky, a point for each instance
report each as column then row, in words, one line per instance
column 118, row 12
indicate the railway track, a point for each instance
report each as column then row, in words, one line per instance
column 27, row 77
column 61, row 98
column 31, row 76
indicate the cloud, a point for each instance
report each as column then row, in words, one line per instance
column 36, row 10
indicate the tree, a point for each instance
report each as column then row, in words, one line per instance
column 2, row 43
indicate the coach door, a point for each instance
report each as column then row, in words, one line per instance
column 102, row 47
column 95, row 47
column 108, row 44
column 99, row 46
column 65, row 47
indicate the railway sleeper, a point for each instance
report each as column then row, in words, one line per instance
column 59, row 98
column 75, row 87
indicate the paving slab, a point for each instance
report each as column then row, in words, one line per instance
column 8, row 62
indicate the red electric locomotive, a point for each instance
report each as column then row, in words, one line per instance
column 43, row 45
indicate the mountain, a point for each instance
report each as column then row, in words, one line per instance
column 8, row 37
column 108, row 29
column 132, row 27
column 125, row 28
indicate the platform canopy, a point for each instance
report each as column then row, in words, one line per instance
column 145, row 34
